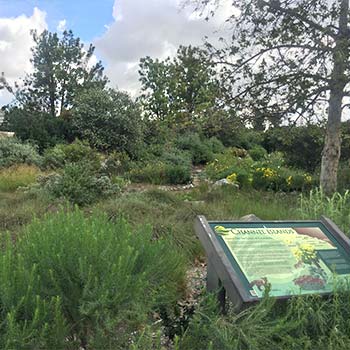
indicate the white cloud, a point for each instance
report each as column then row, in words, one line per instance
column 154, row 28
column 15, row 44
column 61, row 27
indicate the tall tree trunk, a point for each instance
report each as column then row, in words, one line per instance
column 52, row 95
column 331, row 150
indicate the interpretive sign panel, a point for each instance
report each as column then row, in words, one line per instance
column 292, row 258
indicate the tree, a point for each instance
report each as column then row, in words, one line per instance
column 182, row 91
column 288, row 59
column 62, row 66
column 155, row 96
column 109, row 120
column 4, row 85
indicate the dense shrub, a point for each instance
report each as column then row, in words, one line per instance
column 232, row 132
column 343, row 176
column 38, row 127
column 17, row 176
column 116, row 163
column 215, row 145
column 176, row 157
column 160, row 173
column 257, row 153
column 74, row 282
column 269, row 173
column 109, row 120
column 248, row 138
column 302, row 146
column 201, row 150
column 62, row 154
column 233, row 160
column 80, row 184
column 281, row 179
column 14, row 152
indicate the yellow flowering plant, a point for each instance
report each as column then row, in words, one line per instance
column 232, row 178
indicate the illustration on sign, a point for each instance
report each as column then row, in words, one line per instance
column 291, row 260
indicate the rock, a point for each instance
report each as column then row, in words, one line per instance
column 223, row 182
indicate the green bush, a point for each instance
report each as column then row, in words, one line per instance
column 62, row 154
column 74, row 282
column 265, row 179
column 80, row 184
column 215, row 145
column 273, row 160
column 302, row 146
column 281, row 179
column 269, row 173
column 257, row 153
column 201, row 150
column 176, row 157
column 343, row 176
column 117, row 163
column 160, row 173
column 13, row 152
column 109, row 120
column 243, row 178
column 41, row 128
column 227, row 163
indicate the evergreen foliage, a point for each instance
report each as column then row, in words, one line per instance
column 72, row 281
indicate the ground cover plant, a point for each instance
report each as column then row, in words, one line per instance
column 13, row 152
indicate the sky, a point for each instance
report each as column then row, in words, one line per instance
column 123, row 31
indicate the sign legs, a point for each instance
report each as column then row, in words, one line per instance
column 214, row 285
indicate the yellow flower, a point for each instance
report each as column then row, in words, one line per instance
column 232, row 178
column 268, row 172
column 289, row 180
column 307, row 178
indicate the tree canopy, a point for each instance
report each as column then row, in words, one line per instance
column 183, row 90
column 62, row 66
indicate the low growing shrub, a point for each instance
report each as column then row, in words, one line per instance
column 62, row 154
column 176, row 157
column 117, row 163
column 80, row 184
column 13, row 151
column 160, row 173
column 281, row 179
column 227, row 163
column 257, row 153
column 74, row 282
